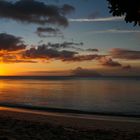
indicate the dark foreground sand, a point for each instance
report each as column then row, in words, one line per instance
column 27, row 125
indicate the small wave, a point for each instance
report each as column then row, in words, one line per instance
column 72, row 111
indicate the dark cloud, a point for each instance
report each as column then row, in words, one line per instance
column 13, row 58
column 34, row 11
column 84, row 72
column 46, row 52
column 48, row 31
column 63, row 45
column 107, row 61
column 17, row 61
column 67, row 9
column 10, row 42
column 13, row 50
column 92, row 50
column 43, row 51
column 80, row 58
column 125, row 54
column 127, row 67
column 71, row 45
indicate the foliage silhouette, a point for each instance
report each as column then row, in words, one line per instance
column 128, row 8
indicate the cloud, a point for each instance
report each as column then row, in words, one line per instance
column 84, row 72
column 127, row 67
column 125, row 54
column 107, row 61
column 43, row 51
column 80, row 58
column 48, row 31
column 65, row 45
column 46, row 52
column 34, row 11
column 67, row 9
column 13, row 50
column 14, row 57
column 10, row 42
column 92, row 50
column 105, row 19
column 71, row 45
column 114, row 31
column 5, row 60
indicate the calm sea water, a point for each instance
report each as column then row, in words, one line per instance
column 114, row 95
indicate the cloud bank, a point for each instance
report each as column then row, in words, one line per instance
column 14, row 50
column 79, row 71
column 34, row 11
column 46, row 52
column 10, row 42
column 107, row 61
column 125, row 54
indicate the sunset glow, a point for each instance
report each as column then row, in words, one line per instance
column 91, row 39
column 69, row 69
column 2, row 71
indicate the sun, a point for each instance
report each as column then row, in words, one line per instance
column 2, row 72
column 8, row 69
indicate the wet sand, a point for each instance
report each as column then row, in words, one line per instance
column 32, row 125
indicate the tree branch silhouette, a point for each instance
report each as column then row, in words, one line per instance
column 128, row 8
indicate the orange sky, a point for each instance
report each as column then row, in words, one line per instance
column 63, row 68
column 87, row 36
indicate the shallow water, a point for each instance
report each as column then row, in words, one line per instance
column 104, row 95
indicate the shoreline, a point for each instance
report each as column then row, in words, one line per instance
column 68, row 111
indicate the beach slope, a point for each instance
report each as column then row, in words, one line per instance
column 28, row 125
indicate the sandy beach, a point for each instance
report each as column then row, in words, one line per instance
column 26, row 124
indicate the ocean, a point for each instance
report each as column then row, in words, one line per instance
column 99, row 95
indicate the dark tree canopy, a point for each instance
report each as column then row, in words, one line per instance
column 129, row 8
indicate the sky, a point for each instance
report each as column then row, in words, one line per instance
column 64, row 37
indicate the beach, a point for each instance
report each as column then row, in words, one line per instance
column 38, row 125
